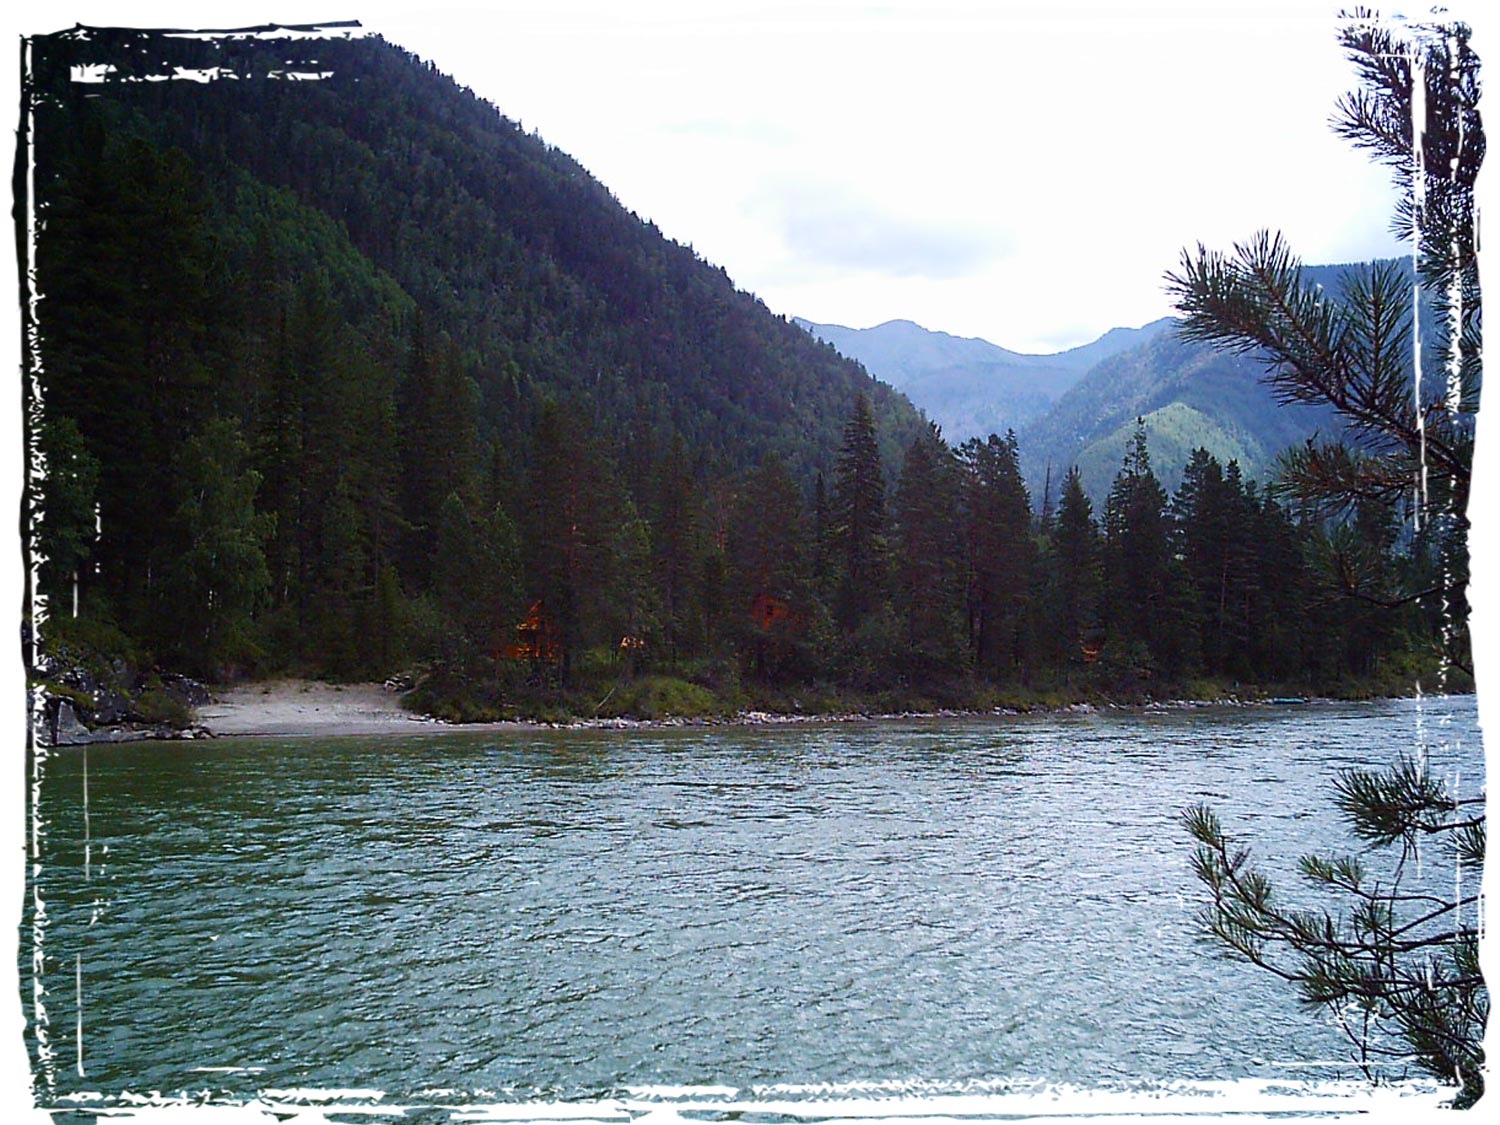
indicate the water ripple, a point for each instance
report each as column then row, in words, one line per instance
column 596, row 910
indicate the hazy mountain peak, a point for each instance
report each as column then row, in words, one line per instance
column 970, row 386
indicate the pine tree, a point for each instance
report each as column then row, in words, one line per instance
column 587, row 549
column 125, row 252
column 1400, row 970
column 1282, row 599
column 1214, row 523
column 770, row 556
column 1405, row 961
column 219, row 568
column 1406, row 443
column 557, row 503
column 439, row 444
column 64, row 501
column 675, row 538
column 1074, row 577
column 1149, row 631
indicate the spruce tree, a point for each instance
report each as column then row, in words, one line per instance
column 1214, row 523
column 1001, row 553
column 1074, row 578
column 125, row 252
column 675, row 526
column 928, row 564
column 219, row 567
column 858, row 519
column 770, row 570
column 1145, row 609
column 64, row 502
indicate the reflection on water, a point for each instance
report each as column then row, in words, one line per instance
column 577, row 913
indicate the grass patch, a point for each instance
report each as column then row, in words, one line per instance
column 659, row 697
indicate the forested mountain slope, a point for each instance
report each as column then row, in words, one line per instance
column 1188, row 396
column 506, row 244
column 337, row 372
column 294, row 315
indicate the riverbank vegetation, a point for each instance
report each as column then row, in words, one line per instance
column 944, row 591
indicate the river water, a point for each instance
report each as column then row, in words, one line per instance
column 937, row 905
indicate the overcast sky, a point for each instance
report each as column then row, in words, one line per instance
column 987, row 170
column 1019, row 172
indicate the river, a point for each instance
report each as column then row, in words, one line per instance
column 931, row 905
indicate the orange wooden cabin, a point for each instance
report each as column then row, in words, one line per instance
column 536, row 638
column 768, row 611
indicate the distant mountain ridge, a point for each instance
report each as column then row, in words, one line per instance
column 969, row 386
column 1187, row 395
column 1079, row 407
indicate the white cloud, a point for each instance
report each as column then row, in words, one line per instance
column 833, row 228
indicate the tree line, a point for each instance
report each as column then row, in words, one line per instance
column 360, row 525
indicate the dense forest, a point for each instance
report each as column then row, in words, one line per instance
column 351, row 377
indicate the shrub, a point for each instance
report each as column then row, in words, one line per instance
column 157, row 705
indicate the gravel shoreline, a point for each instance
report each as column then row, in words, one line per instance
column 308, row 708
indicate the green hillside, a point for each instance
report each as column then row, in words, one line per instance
column 544, row 284
column 305, row 314
column 1189, row 396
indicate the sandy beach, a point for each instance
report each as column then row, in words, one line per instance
column 307, row 707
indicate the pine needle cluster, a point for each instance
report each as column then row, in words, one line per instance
column 1397, row 965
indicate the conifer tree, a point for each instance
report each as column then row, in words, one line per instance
column 64, row 500
column 1282, row 598
column 557, row 506
column 632, row 608
column 439, row 444
column 1213, row 518
column 858, row 518
column 1403, row 960
column 1409, row 436
column 1073, row 576
column 928, row 564
column 770, row 557
column 455, row 566
column 125, row 253
column 219, row 567
column 675, row 539
column 1145, row 608
column 1001, row 553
